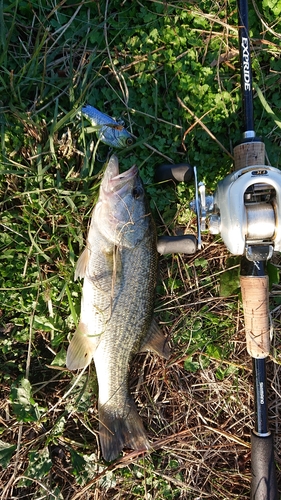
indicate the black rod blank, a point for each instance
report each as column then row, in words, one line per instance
column 245, row 68
column 263, row 484
column 260, row 388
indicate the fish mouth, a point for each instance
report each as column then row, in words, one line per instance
column 114, row 182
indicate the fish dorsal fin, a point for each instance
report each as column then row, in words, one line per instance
column 81, row 348
column 156, row 341
column 81, row 264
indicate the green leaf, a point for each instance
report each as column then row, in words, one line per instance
column 273, row 274
column 273, row 6
column 229, row 280
column 24, row 406
column 6, row 453
column 59, row 359
column 222, row 372
column 57, row 429
column 43, row 323
column 78, row 462
column 214, row 351
column 201, row 262
column 267, row 108
column 190, row 365
column 39, row 466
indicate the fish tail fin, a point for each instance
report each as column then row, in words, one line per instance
column 81, row 348
column 118, row 432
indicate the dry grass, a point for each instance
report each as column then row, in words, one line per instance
column 199, row 425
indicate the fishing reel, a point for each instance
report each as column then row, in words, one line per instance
column 245, row 210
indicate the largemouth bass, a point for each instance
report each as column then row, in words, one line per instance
column 119, row 266
column 108, row 130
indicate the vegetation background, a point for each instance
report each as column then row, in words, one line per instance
column 170, row 70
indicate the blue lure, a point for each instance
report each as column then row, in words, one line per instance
column 108, row 130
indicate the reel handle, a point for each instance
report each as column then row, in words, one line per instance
column 180, row 172
column 187, row 243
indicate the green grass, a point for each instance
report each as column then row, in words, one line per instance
column 131, row 60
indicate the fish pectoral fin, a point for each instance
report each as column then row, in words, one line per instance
column 81, row 264
column 121, row 431
column 81, row 349
column 156, row 341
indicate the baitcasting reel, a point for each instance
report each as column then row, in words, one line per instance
column 245, row 210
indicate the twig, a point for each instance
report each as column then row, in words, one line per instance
column 229, row 436
column 158, row 152
column 118, row 76
column 63, row 28
column 194, row 125
column 137, row 111
column 16, row 466
column 264, row 23
column 198, row 120
column 124, row 461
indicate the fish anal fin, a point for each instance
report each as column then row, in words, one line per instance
column 117, row 432
column 81, row 264
column 156, row 341
column 81, row 348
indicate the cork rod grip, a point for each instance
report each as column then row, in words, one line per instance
column 247, row 154
column 256, row 314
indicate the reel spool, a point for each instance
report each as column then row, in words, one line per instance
column 247, row 210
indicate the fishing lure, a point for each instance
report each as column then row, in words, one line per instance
column 108, row 130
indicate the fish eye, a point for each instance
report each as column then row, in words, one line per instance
column 129, row 141
column 137, row 192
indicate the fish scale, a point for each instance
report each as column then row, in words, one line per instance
column 119, row 268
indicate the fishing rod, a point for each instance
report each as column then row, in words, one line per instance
column 262, row 210
column 245, row 210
